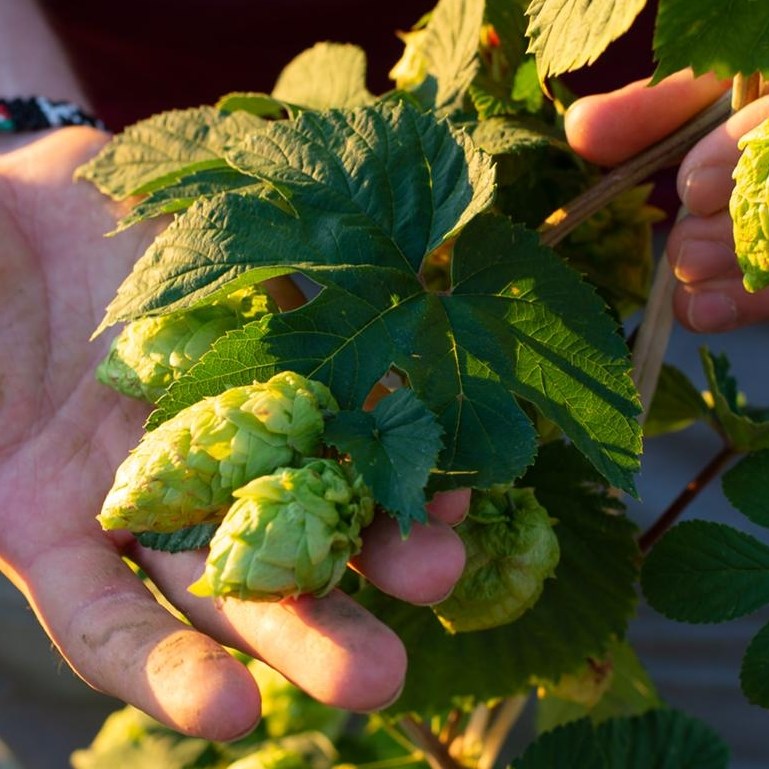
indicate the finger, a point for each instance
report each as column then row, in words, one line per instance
column 609, row 128
column 705, row 176
column 422, row 568
column 122, row 642
column 330, row 647
column 702, row 248
column 450, row 506
column 719, row 305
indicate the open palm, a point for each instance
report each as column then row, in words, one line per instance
column 63, row 435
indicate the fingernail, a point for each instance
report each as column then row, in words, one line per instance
column 703, row 188
column 702, row 259
column 711, row 311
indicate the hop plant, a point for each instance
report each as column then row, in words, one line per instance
column 150, row 353
column 614, row 249
column 288, row 533
column 511, row 550
column 185, row 471
column 749, row 208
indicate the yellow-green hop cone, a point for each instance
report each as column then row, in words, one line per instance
column 511, row 550
column 150, row 353
column 288, row 534
column 749, row 208
column 185, row 471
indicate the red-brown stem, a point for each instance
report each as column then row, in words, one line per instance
column 647, row 540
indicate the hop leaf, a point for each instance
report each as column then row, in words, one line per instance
column 185, row 471
column 287, row 534
column 511, row 550
column 749, row 208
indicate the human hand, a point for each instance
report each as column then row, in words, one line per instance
column 64, row 435
column 608, row 128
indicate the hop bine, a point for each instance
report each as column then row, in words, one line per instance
column 185, row 471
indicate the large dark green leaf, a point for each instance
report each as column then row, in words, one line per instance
column 373, row 191
column 394, row 447
column 702, row 571
column 712, row 35
column 660, row 739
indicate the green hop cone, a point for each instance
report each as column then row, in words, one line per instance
column 749, row 208
column 185, row 471
column 288, row 534
column 511, row 550
column 151, row 353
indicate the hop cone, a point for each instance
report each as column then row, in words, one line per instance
column 511, row 550
column 749, row 208
column 185, row 471
column 288, row 534
column 150, row 353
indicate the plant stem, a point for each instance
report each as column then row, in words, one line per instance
column 505, row 717
column 654, row 333
column 436, row 753
column 647, row 540
column 745, row 89
column 559, row 224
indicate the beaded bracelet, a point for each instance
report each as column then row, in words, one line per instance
column 36, row 113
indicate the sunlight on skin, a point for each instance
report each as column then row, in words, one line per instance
column 67, row 434
column 608, row 128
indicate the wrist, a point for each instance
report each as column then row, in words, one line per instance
column 32, row 59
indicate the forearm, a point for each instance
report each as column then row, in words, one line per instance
column 32, row 59
column 33, row 62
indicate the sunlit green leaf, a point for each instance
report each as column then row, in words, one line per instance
column 326, row 75
column 567, row 34
column 711, row 35
column 449, row 47
column 157, row 151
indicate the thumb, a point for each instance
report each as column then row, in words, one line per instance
column 611, row 127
